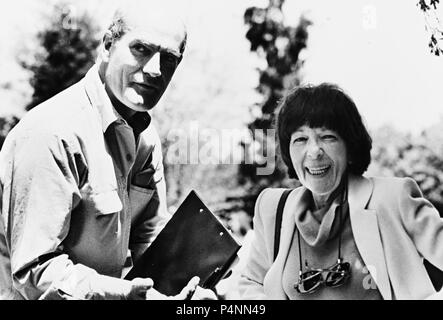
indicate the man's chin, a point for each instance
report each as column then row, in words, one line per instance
column 138, row 102
column 140, row 106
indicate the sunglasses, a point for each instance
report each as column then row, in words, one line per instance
column 312, row 279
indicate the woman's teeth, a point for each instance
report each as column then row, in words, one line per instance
column 318, row 171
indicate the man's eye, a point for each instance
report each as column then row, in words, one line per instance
column 169, row 59
column 141, row 49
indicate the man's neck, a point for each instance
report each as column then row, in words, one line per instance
column 125, row 112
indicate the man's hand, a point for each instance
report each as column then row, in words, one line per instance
column 143, row 289
column 191, row 292
column 140, row 288
column 186, row 294
column 204, row 294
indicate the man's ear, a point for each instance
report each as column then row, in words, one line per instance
column 108, row 41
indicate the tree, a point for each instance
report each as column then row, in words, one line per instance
column 279, row 45
column 6, row 125
column 418, row 157
column 433, row 25
column 67, row 51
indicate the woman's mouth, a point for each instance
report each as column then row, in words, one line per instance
column 318, row 171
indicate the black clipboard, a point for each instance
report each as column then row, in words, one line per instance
column 193, row 243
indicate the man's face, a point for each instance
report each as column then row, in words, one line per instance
column 142, row 62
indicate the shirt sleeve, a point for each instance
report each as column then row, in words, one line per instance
column 41, row 193
column 423, row 223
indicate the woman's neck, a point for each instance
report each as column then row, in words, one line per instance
column 321, row 201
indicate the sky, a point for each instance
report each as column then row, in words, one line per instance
column 376, row 50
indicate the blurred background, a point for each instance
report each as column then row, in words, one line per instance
column 241, row 58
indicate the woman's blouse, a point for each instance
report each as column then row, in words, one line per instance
column 319, row 236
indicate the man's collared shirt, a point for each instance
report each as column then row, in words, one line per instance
column 80, row 187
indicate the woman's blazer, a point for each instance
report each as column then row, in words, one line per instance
column 394, row 228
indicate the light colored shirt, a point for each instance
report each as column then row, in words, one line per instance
column 71, row 208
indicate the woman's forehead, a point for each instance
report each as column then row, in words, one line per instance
column 309, row 128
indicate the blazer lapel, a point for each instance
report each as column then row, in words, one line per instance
column 366, row 233
column 274, row 278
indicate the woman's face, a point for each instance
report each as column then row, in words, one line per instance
column 319, row 157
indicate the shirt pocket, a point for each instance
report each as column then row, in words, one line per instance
column 139, row 198
column 144, row 179
column 104, row 203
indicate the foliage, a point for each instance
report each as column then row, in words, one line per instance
column 67, row 51
column 418, row 157
column 279, row 45
column 433, row 25
column 6, row 125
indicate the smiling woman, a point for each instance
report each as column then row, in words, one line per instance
column 321, row 138
column 320, row 159
column 343, row 236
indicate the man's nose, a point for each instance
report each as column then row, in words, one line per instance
column 152, row 66
column 315, row 151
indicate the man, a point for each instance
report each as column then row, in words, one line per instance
column 82, row 175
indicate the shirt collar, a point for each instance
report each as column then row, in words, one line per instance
column 95, row 89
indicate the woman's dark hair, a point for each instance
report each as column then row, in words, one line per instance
column 324, row 106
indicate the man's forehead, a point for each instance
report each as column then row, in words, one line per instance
column 157, row 38
column 152, row 16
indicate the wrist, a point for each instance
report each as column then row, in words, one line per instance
column 109, row 288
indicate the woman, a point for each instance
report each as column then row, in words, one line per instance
column 343, row 236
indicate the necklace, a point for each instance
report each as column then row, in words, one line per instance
column 312, row 279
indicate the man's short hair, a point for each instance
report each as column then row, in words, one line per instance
column 119, row 27
column 324, row 106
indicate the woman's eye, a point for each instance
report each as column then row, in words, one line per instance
column 329, row 137
column 299, row 140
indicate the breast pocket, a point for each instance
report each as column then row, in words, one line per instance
column 144, row 179
column 140, row 198
column 104, row 203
